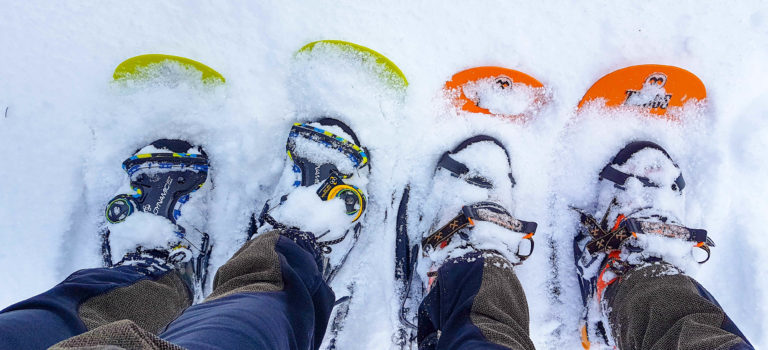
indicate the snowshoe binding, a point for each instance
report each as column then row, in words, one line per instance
column 471, row 193
column 640, row 199
column 163, row 176
column 470, row 202
column 322, row 190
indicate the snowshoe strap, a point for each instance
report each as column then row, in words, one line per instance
column 138, row 162
column 619, row 178
column 313, row 173
column 603, row 240
column 482, row 211
column 459, row 169
column 344, row 127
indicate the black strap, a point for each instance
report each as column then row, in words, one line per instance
column 619, row 178
column 459, row 169
column 631, row 148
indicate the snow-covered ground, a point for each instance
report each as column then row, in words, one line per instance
column 64, row 129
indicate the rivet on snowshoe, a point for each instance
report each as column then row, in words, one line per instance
column 118, row 209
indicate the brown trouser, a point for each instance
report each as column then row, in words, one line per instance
column 650, row 309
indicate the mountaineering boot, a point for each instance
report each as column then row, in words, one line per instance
column 471, row 295
column 147, row 227
column 470, row 202
column 636, row 223
column 321, row 190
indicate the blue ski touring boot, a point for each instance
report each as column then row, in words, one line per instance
column 165, row 177
column 321, row 190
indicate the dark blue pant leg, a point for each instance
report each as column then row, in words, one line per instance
column 475, row 303
column 727, row 324
column 270, row 295
column 48, row 318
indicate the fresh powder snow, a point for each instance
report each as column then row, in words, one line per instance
column 65, row 128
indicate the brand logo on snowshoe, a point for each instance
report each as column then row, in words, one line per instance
column 166, row 188
column 503, row 81
column 652, row 95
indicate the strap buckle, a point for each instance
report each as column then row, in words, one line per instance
column 482, row 211
column 609, row 240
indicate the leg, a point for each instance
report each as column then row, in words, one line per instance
column 629, row 259
column 477, row 302
column 93, row 297
column 272, row 293
column 651, row 309
column 269, row 295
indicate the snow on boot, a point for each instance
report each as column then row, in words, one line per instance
column 636, row 223
column 148, row 224
column 321, row 190
column 470, row 202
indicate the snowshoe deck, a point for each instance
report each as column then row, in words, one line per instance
column 389, row 72
column 650, row 88
column 151, row 66
column 459, row 89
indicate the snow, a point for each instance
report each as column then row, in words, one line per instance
column 448, row 194
column 303, row 208
column 143, row 229
column 152, row 149
column 640, row 200
column 66, row 129
column 313, row 150
column 512, row 100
